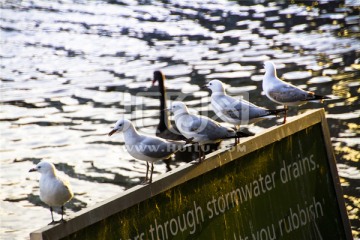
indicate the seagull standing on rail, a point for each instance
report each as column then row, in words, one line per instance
column 285, row 93
column 54, row 190
column 144, row 147
column 201, row 129
column 236, row 111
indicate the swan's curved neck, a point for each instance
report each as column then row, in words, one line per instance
column 164, row 115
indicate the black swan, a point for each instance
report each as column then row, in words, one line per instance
column 165, row 129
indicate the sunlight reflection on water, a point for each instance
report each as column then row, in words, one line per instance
column 70, row 69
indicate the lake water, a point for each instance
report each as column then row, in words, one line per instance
column 71, row 68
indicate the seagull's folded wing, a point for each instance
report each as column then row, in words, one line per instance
column 244, row 110
column 288, row 93
column 211, row 129
column 158, row 148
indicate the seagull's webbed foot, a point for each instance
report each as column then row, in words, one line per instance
column 202, row 158
column 199, row 160
column 145, row 181
column 189, row 141
column 60, row 221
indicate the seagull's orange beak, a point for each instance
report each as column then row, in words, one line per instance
column 33, row 170
column 112, row 132
column 205, row 86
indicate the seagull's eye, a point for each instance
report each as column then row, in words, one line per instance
column 39, row 167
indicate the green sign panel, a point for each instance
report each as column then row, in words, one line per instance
column 284, row 190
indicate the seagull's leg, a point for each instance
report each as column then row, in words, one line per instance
column 151, row 172
column 52, row 216
column 147, row 171
column 285, row 113
column 202, row 153
column 237, row 140
column 62, row 214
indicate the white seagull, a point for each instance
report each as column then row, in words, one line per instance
column 144, row 147
column 201, row 129
column 285, row 93
column 236, row 111
column 54, row 190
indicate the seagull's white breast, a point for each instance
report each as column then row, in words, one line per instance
column 54, row 191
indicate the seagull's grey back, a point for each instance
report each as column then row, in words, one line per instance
column 202, row 129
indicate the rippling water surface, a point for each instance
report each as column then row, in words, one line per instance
column 71, row 68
